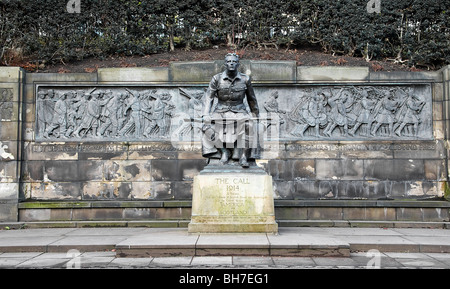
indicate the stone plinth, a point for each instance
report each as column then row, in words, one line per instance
column 231, row 199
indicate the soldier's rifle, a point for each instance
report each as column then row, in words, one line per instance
column 221, row 119
column 184, row 93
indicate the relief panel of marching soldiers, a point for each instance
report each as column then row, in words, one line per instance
column 350, row 112
column 319, row 112
column 100, row 113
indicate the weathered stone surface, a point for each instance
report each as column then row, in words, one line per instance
column 62, row 78
column 11, row 81
column 374, row 214
column 10, row 74
column 424, row 214
column 325, row 213
column 291, row 169
column 53, row 190
column 230, row 201
column 9, row 151
column 8, row 172
column 270, row 71
column 283, row 189
column 309, row 167
column 397, row 170
column 8, row 211
column 347, row 169
column 135, row 74
column 9, row 191
column 128, row 113
column 421, row 76
column 331, row 74
column 165, row 170
column 200, row 71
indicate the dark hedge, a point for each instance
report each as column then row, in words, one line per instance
column 416, row 33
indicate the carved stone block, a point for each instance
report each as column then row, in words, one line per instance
column 228, row 201
column 341, row 112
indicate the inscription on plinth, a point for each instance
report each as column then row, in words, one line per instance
column 231, row 202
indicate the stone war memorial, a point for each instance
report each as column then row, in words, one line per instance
column 232, row 194
column 230, row 145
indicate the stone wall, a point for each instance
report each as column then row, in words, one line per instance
column 11, row 92
column 396, row 159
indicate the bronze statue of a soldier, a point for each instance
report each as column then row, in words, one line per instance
column 228, row 127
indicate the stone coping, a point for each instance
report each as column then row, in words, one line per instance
column 262, row 72
column 278, row 203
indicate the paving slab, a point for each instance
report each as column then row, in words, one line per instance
column 334, row 261
column 35, row 232
column 252, row 260
column 313, row 243
column 362, row 232
column 97, row 262
column 368, row 260
column 233, row 240
column 177, row 242
column 11, row 262
column 431, row 263
column 105, row 231
column 381, row 243
column 130, row 263
column 27, row 243
column 444, row 258
column 111, row 253
column 158, row 242
column 437, row 244
column 85, row 243
column 44, row 263
column 294, row 261
column 422, row 232
column 171, row 261
column 401, row 255
column 58, row 255
column 20, row 255
column 212, row 260
column 232, row 244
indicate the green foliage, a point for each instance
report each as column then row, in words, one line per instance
column 415, row 32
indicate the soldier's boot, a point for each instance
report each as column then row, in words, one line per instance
column 352, row 132
column 316, row 129
column 243, row 160
column 399, row 130
column 225, row 156
column 77, row 132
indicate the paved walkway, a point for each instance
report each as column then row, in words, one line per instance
column 301, row 247
column 108, row 260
